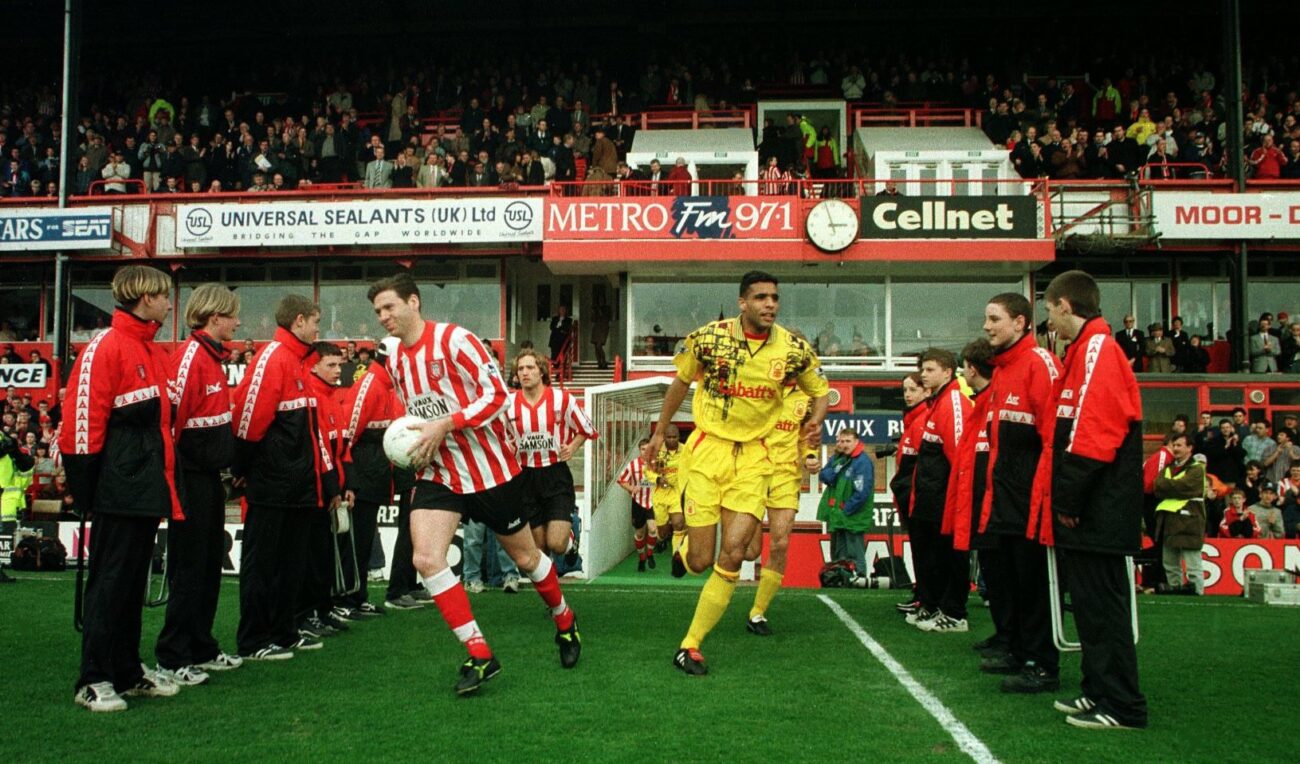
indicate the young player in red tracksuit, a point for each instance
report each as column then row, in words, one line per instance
column 316, row 603
column 942, row 574
column 914, row 398
column 1092, row 511
column 966, row 487
column 1021, row 417
column 116, row 445
column 280, row 455
column 205, row 445
column 368, row 475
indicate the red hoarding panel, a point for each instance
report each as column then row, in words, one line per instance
column 673, row 218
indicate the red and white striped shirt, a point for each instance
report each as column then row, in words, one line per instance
column 543, row 427
column 634, row 474
column 775, row 181
column 449, row 372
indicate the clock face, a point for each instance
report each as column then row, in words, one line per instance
column 832, row 225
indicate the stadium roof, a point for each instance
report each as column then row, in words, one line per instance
column 675, row 142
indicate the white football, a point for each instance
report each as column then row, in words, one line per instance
column 399, row 439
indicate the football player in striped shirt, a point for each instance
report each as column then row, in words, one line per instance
column 550, row 427
column 633, row 479
column 465, row 466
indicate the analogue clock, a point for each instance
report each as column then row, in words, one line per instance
column 832, row 225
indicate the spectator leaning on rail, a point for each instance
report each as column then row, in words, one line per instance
column 849, row 478
column 1180, row 517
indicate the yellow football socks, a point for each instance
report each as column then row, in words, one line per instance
column 769, row 583
column 714, row 598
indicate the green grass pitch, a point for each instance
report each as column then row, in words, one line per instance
column 1219, row 675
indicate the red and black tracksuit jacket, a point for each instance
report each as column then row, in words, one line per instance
column 333, row 431
column 1096, row 454
column 905, row 458
column 116, row 438
column 278, row 444
column 944, row 424
column 370, row 407
column 1154, row 467
column 1021, row 416
column 204, row 440
column 966, row 485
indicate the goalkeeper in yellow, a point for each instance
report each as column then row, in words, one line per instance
column 741, row 366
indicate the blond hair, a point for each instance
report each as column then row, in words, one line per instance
column 209, row 300
column 131, row 282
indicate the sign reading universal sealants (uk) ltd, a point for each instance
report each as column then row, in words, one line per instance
column 950, row 217
column 469, row 220
column 31, row 228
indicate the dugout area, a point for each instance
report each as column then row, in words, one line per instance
column 1217, row 672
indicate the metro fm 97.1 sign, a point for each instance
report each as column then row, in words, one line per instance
column 669, row 218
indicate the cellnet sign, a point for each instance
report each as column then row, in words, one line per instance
column 480, row 220
column 34, row 228
column 1192, row 215
column 22, row 375
column 950, row 217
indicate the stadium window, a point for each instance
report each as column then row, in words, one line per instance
column 945, row 315
column 841, row 320
column 1274, row 297
column 1161, row 404
column 20, row 306
column 91, row 305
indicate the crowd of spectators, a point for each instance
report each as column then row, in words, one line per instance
column 529, row 120
column 32, row 424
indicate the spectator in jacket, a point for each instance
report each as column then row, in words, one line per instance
column 680, row 178
column 1224, row 454
column 849, row 478
column 1268, row 517
column 1288, row 359
column 1180, row 517
column 1095, row 493
column 1196, row 359
column 1132, row 342
column 1278, row 463
column 379, row 172
column 1238, row 521
column 280, row 456
column 603, row 153
column 1267, row 160
column 1124, row 152
column 120, row 466
column 114, row 172
column 1289, row 501
column 1159, row 350
column 1264, row 348
column 1258, row 446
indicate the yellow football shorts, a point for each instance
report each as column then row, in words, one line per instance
column 725, row 474
column 783, row 491
column 666, row 502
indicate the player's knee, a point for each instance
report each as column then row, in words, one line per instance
column 731, row 558
column 777, row 547
column 526, row 560
column 428, row 563
column 699, row 559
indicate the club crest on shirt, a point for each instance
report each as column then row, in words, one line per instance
column 776, row 371
column 437, row 369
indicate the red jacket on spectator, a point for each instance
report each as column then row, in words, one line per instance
column 1153, row 467
column 117, row 446
column 1231, row 516
column 1270, row 161
column 333, row 428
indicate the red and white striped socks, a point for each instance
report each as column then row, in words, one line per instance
column 449, row 595
column 548, row 587
column 641, row 545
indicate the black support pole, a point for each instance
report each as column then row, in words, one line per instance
column 1235, row 152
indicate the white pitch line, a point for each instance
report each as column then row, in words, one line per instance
column 966, row 740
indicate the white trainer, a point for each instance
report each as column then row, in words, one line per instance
column 99, row 697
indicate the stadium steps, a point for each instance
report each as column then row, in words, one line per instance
column 589, row 375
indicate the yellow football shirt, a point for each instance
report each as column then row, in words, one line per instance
column 675, row 465
column 741, row 381
column 784, row 443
